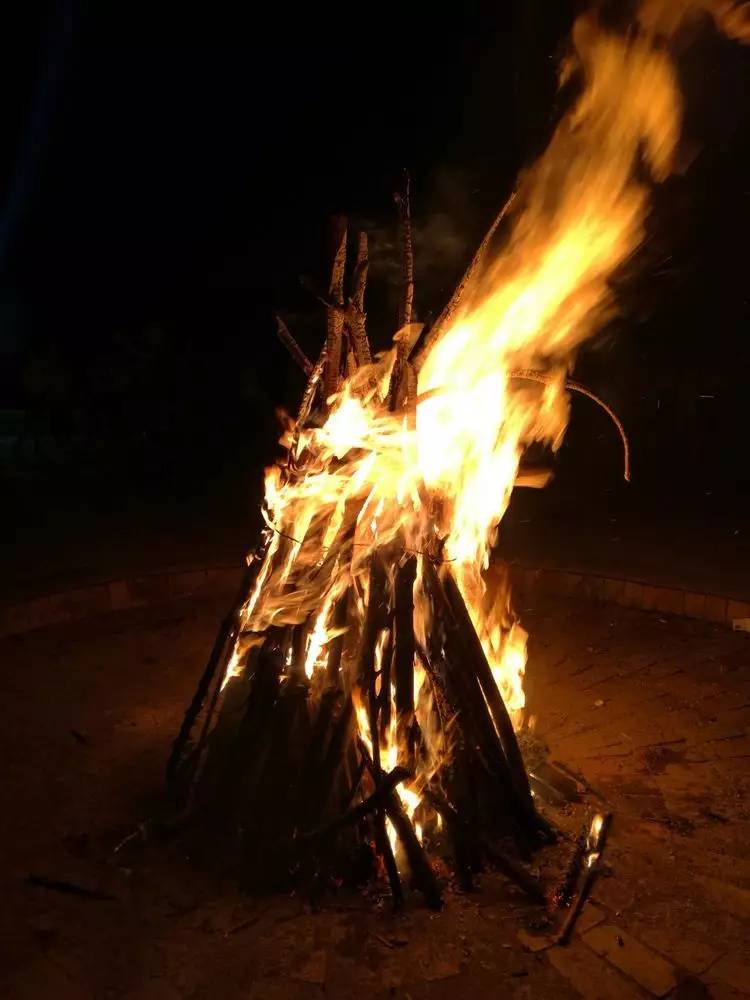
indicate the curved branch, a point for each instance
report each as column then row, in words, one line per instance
column 536, row 376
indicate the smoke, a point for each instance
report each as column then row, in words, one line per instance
column 446, row 221
column 450, row 208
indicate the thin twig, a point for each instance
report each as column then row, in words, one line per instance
column 292, row 346
column 407, row 253
column 536, row 376
column 69, row 888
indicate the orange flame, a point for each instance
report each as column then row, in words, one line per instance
column 375, row 477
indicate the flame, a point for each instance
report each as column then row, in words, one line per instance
column 666, row 17
column 319, row 637
column 594, row 840
column 441, row 476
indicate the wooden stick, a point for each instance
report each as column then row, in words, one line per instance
column 458, row 834
column 562, row 893
column 513, row 870
column 382, row 843
column 335, row 319
column 396, row 388
column 375, row 617
column 407, row 253
column 71, row 888
column 532, row 375
column 311, row 388
column 375, row 620
column 421, row 870
column 374, row 801
column 385, row 688
column 351, row 361
column 296, row 669
column 292, row 346
column 242, row 741
column 452, row 306
column 311, row 286
column 336, row 645
column 404, row 659
column 323, row 783
column 440, row 698
column 384, row 849
column 490, row 690
column 356, row 316
column 476, row 722
column 319, row 746
column 213, row 673
column 412, row 384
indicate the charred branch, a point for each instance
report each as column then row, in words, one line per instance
column 459, row 834
column 563, row 893
column 421, row 870
column 473, row 649
column 595, row 846
column 209, row 686
column 376, row 619
column 386, row 665
column 356, row 318
column 320, row 783
column 336, row 645
column 384, row 849
column 397, row 387
column 308, row 397
column 499, row 797
column 404, row 659
column 357, row 813
column 300, row 634
column 292, row 346
column 335, row 318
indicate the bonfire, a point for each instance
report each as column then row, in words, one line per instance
column 358, row 717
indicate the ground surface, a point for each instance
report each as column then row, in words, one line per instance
column 653, row 712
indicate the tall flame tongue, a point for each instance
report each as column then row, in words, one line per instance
column 376, row 478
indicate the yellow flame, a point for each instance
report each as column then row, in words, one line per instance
column 368, row 477
column 318, row 638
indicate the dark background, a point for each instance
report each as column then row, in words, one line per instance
column 167, row 176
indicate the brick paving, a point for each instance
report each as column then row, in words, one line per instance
column 652, row 712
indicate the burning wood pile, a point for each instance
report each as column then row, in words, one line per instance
column 357, row 717
column 349, row 719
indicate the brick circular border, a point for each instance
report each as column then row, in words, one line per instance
column 161, row 587
column 631, row 594
column 114, row 595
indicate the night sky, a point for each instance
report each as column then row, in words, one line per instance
column 173, row 171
